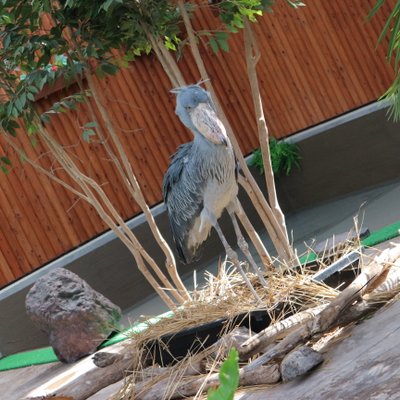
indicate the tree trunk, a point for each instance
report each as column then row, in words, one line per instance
column 135, row 190
column 91, row 192
column 252, row 58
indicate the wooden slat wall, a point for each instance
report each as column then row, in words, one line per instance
column 317, row 62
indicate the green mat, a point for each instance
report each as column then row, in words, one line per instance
column 46, row 355
column 382, row 235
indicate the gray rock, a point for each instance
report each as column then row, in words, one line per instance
column 75, row 317
column 299, row 362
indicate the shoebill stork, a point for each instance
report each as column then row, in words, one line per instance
column 201, row 180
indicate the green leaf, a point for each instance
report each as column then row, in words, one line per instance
column 106, row 5
column 9, row 109
column 232, row 28
column 6, row 41
column 214, row 45
column 375, row 8
column 14, row 112
column 5, row 160
column 22, row 100
column 221, row 36
column 223, row 44
column 45, row 118
column 69, row 3
column 30, row 96
column 32, row 128
column 228, row 378
column 109, row 68
column 91, row 124
column 87, row 133
column 33, row 89
column 69, row 104
column 18, row 104
column 284, row 157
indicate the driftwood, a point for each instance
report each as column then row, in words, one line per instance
column 299, row 362
column 370, row 278
column 387, row 281
column 236, row 338
column 171, row 389
column 263, row 339
column 85, row 378
column 108, row 392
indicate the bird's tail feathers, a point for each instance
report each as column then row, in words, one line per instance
column 189, row 255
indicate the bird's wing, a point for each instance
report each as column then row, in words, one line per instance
column 182, row 189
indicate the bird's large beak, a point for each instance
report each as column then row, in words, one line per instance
column 208, row 124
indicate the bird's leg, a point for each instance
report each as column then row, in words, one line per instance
column 237, row 208
column 232, row 255
column 241, row 241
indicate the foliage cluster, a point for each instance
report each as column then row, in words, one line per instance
column 284, row 157
column 83, row 34
column 232, row 14
column 391, row 30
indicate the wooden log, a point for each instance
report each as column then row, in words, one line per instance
column 369, row 279
column 392, row 280
column 235, row 339
column 387, row 282
column 299, row 362
column 84, row 378
column 108, row 392
column 172, row 389
column 263, row 339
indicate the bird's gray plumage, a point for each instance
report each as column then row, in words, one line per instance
column 201, row 179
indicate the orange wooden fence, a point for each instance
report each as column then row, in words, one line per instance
column 317, row 62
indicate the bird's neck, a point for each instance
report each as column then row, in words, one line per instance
column 212, row 157
column 202, row 144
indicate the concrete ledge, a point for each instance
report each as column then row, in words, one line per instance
column 355, row 151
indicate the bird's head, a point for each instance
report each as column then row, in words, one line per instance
column 196, row 111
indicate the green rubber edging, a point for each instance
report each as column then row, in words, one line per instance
column 381, row 235
column 46, row 355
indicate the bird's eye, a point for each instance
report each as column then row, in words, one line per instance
column 188, row 108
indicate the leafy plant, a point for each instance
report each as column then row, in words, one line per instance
column 228, row 378
column 284, row 157
column 233, row 13
column 392, row 30
column 82, row 36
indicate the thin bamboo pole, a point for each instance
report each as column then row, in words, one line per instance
column 137, row 192
column 252, row 57
column 168, row 63
column 115, row 222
